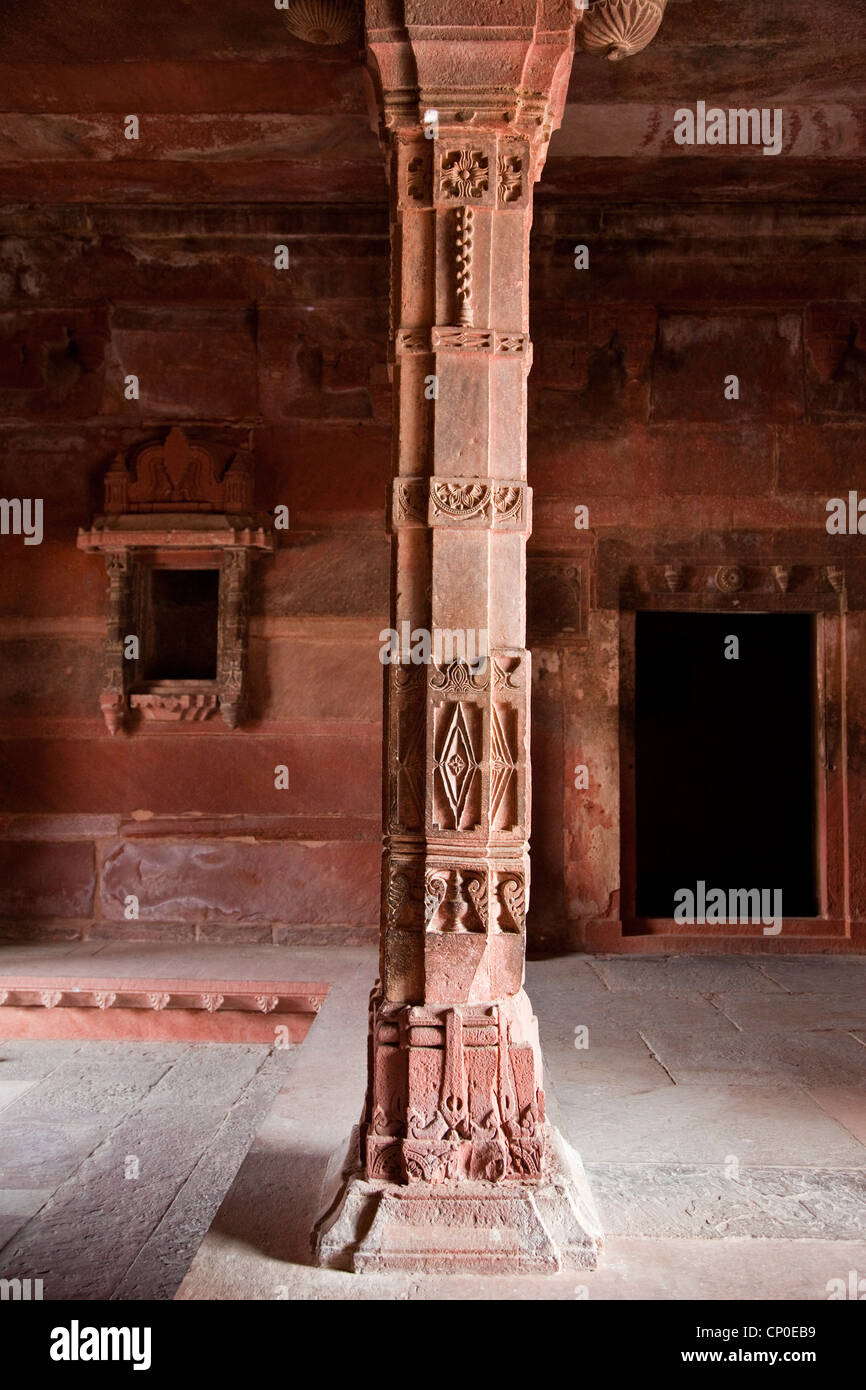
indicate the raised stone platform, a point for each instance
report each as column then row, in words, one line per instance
column 135, row 993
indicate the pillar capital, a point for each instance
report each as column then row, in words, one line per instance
column 459, row 70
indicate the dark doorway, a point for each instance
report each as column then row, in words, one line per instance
column 184, row 614
column 724, row 757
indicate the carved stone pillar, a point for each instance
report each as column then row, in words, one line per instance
column 457, row 1166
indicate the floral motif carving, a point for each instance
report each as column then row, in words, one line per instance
column 478, row 502
column 512, row 894
column 508, row 502
column 476, row 887
column 509, row 186
column 411, row 500
column 460, row 499
column 322, row 21
column 425, row 1165
column 457, row 679
column 404, row 895
column 729, row 579
column 435, row 887
column 386, row 1162
column 397, row 896
column 781, row 576
column 464, row 174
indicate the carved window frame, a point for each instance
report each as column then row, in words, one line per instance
column 175, row 505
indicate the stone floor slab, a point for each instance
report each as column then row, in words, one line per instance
column 737, row 1058
column 794, row 1012
column 659, row 1201
column 820, row 976
column 11, row 1089
column 705, row 1124
column 627, row 1063
column 686, row 975
column 668, row 1269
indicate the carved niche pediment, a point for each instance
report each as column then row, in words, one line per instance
column 179, row 536
column 178, row 475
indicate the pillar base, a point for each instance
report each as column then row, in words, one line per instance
column 508, row 1227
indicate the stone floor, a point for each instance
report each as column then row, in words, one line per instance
column 718, row 1104
column 719, row 1107
column 114, row 1157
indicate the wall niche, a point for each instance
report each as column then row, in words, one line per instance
column 179, row 538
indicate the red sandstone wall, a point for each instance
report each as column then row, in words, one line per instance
column 627, row 416
column 187, row 817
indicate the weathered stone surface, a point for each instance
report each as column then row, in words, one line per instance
column 303, row 678
column 776, row 1203
column 695, row 356
column 327, row 576
column 797, row 1012
column 683, row 976
column 330, row 769
column 160, row 1265
column 230, row 882
column 151, row 1163
column 47, row 880
column 651, row 464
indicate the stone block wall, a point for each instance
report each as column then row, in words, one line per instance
column 187, row 817
column 628, row 417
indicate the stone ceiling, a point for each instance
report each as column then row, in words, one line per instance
column 234, row 109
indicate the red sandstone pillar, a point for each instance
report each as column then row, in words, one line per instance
column 457, row 1165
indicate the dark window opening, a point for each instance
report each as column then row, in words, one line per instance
column 725, row 758
column 182, row 632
